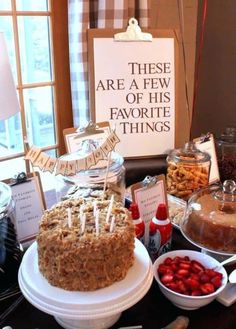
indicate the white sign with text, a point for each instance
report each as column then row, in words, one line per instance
column 28, row 208
column 135, row 91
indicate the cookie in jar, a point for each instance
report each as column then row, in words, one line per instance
column 187, row 171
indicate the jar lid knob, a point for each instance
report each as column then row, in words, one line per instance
column 229, row 186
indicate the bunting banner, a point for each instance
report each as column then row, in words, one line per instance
column 71, row 167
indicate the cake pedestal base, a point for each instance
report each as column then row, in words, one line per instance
column 102, row 323
column 98, row 309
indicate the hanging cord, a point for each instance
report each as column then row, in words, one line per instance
column 181, row 24
column 199, row 57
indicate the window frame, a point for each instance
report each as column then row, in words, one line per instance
column 59, row 55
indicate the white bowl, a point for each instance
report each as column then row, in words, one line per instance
column 184, row 301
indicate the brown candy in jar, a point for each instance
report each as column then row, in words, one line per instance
column 226, row 154
column 187, row 171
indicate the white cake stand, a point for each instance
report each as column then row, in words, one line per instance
column 98, row 309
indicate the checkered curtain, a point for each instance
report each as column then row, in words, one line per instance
column 84, row 14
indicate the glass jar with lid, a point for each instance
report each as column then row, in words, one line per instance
column 90, row 182
column 210, row 219
column 187, row 171
column 226, row 154
column 10, row 251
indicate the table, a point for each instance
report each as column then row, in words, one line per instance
column 154, row 311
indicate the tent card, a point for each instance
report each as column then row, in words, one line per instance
column 73, row 138
column 132, row 85
column 148, row 194
column 207, row 144
column 29, row 207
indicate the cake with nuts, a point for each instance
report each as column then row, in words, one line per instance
column 85, row 245
column 212, row 224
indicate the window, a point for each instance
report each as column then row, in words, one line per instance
column 31, row 31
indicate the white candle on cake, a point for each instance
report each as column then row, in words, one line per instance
column 97, row 222
column 81, row 213
column 69, row 219
column 94, row 208
column 112, row 225
column 83, row 222
column 109, row 209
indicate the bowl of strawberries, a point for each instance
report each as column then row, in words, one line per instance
column 189, row 279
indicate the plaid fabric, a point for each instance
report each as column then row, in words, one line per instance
column 84, row 14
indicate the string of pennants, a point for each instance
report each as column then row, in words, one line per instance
column 71, row 167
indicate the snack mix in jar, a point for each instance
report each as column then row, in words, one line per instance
column 187, row 171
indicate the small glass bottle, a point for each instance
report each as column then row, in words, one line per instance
column 187, row 171
column 226, row 154
column 160, row 233
column 138, row 222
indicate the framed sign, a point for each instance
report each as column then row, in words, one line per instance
column 29, row 207
column 133, row 86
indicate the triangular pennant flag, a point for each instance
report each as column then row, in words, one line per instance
column 90, row 160
column 81, row 164
column 113, row 139
column 98, row 154
column 50, row 165
column 33, row 154
column 71, row 168
column 41, row 160
column 61, row 167
column 106, row 147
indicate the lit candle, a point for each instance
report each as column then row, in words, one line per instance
column 112, row 225
column 83, row 222
column 109, row 209
column 69, row 217
column 97, row 222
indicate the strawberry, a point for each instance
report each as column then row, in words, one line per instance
column 182, row 273
column 216, row 281
column 184, row 265
column 196, row 293
column 204, row 278
column 167, row 278
column 197, row 267
column 192, row 284
column 207, row 288
column 173, row 286
column 163, row 269
column 182, row 287
column 168, row 261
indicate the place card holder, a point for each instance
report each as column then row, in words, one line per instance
column 206, row 143
column 29, row 205
column 148, row 194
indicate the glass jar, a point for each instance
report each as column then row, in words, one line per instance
column 210, row 218
column 226, row 154
column 10, row 251
column 90, row 182
column 187, row 171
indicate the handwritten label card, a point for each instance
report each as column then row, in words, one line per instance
column 208, row 145
column 28, row 208
column 148, row 196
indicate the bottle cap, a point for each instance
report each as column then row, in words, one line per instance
column 134, row 210
column 161, row 213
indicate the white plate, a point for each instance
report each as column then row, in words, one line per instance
column 92, row 304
